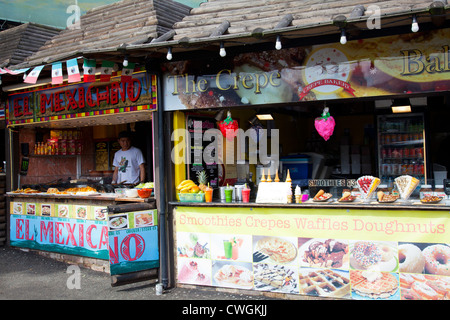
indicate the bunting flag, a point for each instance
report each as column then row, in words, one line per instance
column 89, row 68
column 127, row 72
column 57, row 75
column 13, row 72
column 33, row 75
column 73, row 71
column 106, row 71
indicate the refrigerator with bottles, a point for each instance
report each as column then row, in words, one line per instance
column 401, row 146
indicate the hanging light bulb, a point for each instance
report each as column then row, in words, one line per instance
column 125, row 61
column 222, row 51
column 278, row 43
column 343, row 36
column 169, row 54
column 414, row 25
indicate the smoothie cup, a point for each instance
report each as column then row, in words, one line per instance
column 246, row 194
column 208, row 194
column 228, row 194
column 228, row 249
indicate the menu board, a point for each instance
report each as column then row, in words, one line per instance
column 133, row 241
column 196, row 127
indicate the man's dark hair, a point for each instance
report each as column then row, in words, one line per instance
column 125, row 134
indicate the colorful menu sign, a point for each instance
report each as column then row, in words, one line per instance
column 411, row 63
column 133, row 241
column 83, row 99
column 64, row 228
column 340, row 253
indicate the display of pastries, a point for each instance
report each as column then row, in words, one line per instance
column 367, row 185
column 406, row 185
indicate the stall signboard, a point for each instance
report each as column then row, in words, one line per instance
column 133, row 241
column 411, row 63
column 82, row 99
column 61, row 228
column 340, row 253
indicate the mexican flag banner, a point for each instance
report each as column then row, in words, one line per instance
column 89, row 68
column 106, row 71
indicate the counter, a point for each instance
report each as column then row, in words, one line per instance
column 70, row 224
column 350, row 251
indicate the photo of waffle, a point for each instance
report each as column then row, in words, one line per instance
column 275, row 278
column 374, row 285
column 424, row 287
column 324, row 283
column 374, row 255
column 323, row 253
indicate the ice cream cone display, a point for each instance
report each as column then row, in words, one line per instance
column 269, row 178
column 406, row 185
column 367, row 185
column 288, row 177
column 263, row 178
column 298, row 195
column 277, row 179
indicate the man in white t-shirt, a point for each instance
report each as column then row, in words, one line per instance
column 128, row 162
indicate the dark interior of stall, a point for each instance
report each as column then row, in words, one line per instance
column 68, row 157
column 358, row 146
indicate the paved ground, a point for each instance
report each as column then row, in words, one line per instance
column 29, row 276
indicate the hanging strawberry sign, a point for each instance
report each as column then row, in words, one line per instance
column 325, row 124
column 229, row 127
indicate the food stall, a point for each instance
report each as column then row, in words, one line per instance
column 308, row 202
column 64, row 200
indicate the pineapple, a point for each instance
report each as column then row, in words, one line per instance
column 202, row 178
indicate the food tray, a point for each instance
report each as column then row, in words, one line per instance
column 191, row 197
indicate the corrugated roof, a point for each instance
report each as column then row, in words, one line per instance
column 22, row 41
column 246, row 16
column 128, row 21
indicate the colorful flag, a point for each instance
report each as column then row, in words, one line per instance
column 89, row 67
column 33, row 75
column 13, row 72
column 57, row 75
column 106, row 71
column 73, row 71
column 127, row 72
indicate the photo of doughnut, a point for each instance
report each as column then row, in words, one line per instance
column 374, row 255
column 427, row 258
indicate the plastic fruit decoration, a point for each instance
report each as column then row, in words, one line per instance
column 228, row 127
column 325, row 124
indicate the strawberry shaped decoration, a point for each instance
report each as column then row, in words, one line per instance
column 228, row 127
column 325, row 124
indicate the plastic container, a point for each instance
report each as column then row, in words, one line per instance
column 144, row 193
column 120, row 191
column 300, row 166
column 191, row 197
column 131, row 193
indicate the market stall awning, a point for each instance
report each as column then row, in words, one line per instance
column 20, row 42
column 240, row 24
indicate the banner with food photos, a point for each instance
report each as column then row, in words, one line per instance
column 60, row 227
column 133, row 241
column 340, row 253
column 383, row 66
